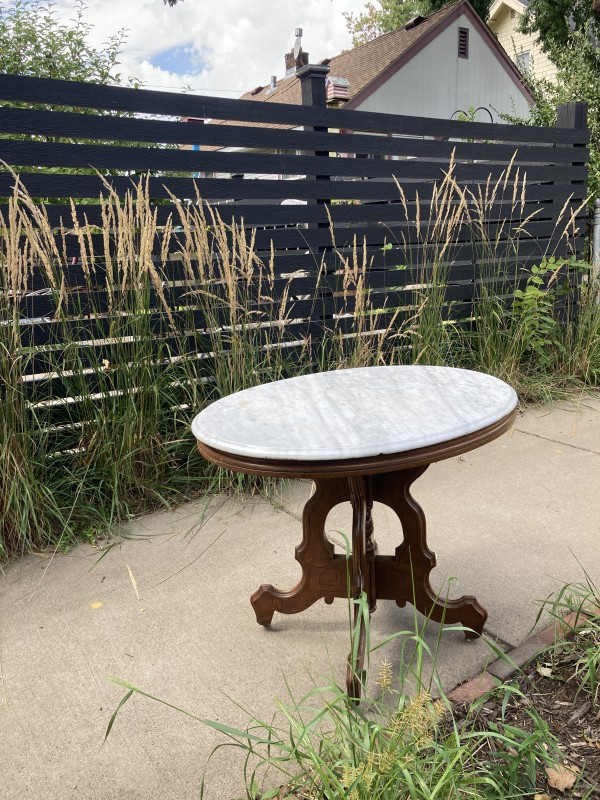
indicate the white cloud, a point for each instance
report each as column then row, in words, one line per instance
column 242, row 41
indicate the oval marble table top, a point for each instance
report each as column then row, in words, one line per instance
column 354, row 413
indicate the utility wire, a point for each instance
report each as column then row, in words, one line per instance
column 190, row 88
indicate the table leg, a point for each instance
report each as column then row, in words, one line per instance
column 324, row 574
column 404, row 577
column 362, row 578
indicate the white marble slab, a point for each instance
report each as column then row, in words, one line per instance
column 354, row 413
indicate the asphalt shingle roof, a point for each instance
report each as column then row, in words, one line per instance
column 361, row 65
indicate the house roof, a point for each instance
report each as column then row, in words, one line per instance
column 371, row 64
column 361, row 65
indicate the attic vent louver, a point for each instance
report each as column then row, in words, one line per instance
column 463, row 42
column 412, row 23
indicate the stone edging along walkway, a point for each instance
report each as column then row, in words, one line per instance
column 504, row 668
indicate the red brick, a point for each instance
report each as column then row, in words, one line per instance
column 561, row 627
column 473, row 689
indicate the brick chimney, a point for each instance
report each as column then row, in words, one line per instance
column 292, row 65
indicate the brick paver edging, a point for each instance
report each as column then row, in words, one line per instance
column 504, row 668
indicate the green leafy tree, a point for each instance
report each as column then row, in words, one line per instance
column 374, row 21
column 555, row 22
column 482, row 7
column 388, row 15
column 577, row 79
column 33, row 41
column 569, row 32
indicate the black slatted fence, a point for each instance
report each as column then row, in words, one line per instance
column 312, row 184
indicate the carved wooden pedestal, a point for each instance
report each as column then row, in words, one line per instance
column 403, row 577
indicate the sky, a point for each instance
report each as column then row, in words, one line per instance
column 220, row 47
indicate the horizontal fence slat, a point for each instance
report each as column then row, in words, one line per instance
column 261, row 214
column 111, row 128
column 313, row 240
column 53, row 185
column 116, row 98
column 142, row 159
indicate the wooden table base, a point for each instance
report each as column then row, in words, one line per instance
column 403, row 577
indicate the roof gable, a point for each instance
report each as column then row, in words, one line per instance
column 361, row 65
column 371, row 64
column 498, row 7
column 452, row 13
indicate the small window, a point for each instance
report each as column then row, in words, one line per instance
column 523, row 61
column 463, row 42
column 513, row 13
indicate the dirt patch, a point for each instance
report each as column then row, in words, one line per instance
column 557, row 686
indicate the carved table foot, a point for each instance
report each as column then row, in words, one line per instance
column 404, row 577
column 324, row 574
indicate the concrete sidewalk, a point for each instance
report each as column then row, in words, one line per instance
column 168, row 609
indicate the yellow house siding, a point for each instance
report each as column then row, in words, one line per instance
column 505, row 26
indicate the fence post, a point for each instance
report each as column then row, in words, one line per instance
column 574, row 115
column 312, row 84
column 314, row 94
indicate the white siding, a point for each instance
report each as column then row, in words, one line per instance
column 437, row 83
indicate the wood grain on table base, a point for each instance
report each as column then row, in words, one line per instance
column 403, row 576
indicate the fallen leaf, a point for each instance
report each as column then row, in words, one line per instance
column 96, row 605
column 561, row 777
column 593, row 743
column 545, row 672
column 541, row 797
